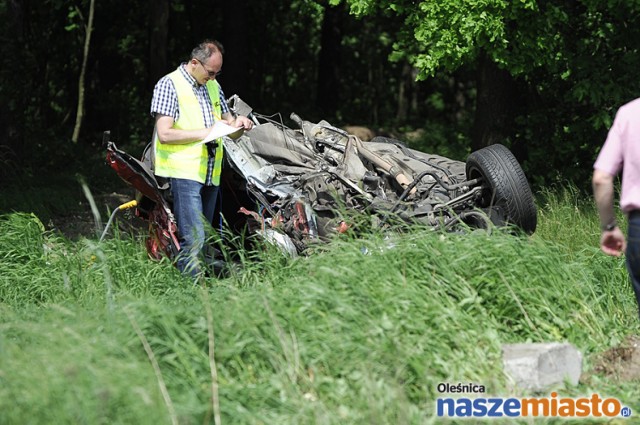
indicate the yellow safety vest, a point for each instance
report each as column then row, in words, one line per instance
column 189, row 161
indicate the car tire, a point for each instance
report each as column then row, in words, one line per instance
column 506, row 186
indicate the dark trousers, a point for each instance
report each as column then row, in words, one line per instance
column 633, row 252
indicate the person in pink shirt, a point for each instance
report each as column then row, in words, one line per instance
column 621, row 152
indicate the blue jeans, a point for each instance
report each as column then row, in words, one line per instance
column 633, row 252
column 193, row 205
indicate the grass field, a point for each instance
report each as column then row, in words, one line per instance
column 360, row 332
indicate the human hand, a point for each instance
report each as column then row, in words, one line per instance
column 612, row 242
column 244, row 122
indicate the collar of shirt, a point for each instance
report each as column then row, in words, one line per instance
column 185, row 74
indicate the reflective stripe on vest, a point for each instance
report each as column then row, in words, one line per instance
column 189, row 161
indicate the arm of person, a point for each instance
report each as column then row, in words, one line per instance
column 174, row 136
column 612, row 241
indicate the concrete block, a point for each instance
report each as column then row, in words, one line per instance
column 542, row 366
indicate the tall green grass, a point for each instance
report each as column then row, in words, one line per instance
column 360, row 332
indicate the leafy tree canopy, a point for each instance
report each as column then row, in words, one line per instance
column 576, row 61
column 519, row 35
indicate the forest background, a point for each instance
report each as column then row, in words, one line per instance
column 542, row 77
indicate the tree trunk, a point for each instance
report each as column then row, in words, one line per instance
column 406, row 94
column 234, row 38
column 83, row 69
column 158, row 28
column 328, row 96
column 496, row 104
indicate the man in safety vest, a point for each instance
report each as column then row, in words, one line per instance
column 185, row 104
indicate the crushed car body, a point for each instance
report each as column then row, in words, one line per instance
column 289, row 185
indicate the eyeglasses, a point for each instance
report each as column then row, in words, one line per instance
column 212, row 74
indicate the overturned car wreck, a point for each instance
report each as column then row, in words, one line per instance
column 288, row 186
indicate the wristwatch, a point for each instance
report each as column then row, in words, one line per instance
column 609, row 227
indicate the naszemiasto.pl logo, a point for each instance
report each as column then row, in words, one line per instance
column 552, row 406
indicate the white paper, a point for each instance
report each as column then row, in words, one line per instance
column 218, row 130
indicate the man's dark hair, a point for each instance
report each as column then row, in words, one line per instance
column 206, row 48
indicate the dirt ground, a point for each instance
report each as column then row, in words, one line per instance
column 82, row 223
column 621, row 363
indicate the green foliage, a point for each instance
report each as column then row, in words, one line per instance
column 362, row 331
column 77, row 371
column 22, row 237
column 576, row 60
column 521, row 36
column 445, row 34
column 555, row 206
